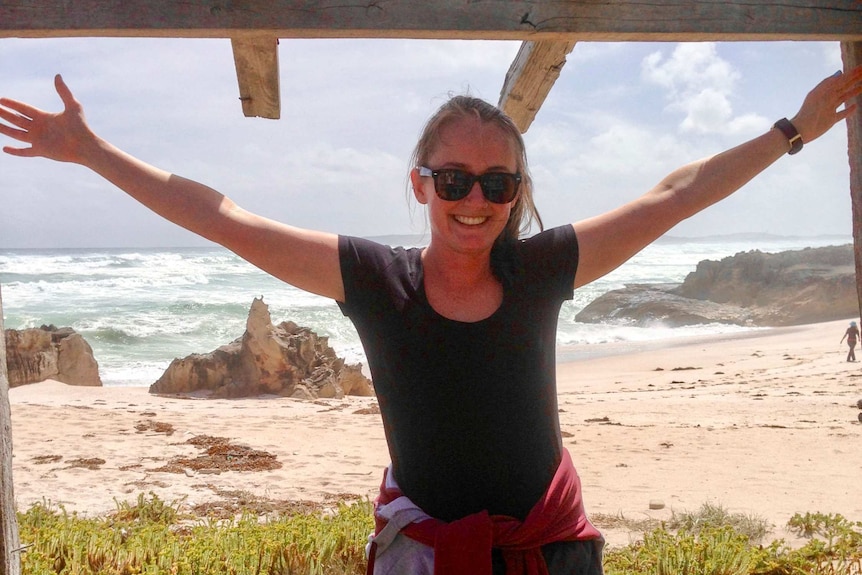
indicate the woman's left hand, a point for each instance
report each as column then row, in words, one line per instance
column 819, row 111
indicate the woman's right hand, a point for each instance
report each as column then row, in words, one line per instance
column 60, row 136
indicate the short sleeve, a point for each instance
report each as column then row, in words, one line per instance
column 550, row 259
column 375, row 276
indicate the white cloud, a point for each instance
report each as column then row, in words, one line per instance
column 691, row 67
column 700, row 85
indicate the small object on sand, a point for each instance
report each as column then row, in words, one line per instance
column 859, row 404
column 860, row 418
column 656, row 504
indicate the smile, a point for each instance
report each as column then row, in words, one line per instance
column 471, row 220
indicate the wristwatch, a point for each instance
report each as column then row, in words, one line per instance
column 790, row 132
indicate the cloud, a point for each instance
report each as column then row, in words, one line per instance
column 700, row 85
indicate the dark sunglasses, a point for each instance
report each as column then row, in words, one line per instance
column 453, row 185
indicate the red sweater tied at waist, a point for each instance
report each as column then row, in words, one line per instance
column 464, row 546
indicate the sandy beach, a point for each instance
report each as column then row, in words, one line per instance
column 763, row 424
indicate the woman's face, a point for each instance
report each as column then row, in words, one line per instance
column 471, row 224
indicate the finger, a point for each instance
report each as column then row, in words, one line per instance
column 847, row 111
column 14, row 119
column 13, row 133
column 852, row 80
column 64, row 92
column 20, row 152
column 24, row 109
column 854, row 76
column 850, row 92
column 839, row 82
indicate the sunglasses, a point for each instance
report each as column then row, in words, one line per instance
column 453, row 185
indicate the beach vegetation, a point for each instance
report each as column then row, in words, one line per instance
column 714, row 516
column 711, row 551
column 713, row 541
column 152, row 536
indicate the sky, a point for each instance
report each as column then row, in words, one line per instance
column 620, row 117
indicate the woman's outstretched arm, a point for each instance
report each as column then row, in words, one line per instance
column 608, row 240
column 304, row 258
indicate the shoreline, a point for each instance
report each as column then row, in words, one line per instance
column 581, row 352
column 761, row 423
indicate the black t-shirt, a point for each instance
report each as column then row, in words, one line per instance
column 469, row 409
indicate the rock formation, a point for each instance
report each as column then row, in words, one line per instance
column 37, row 354
column 285, row 360
column 750, row 288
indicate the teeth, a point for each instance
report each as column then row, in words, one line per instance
column 471, row 221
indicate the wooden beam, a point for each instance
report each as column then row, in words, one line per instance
column 620, row 20
column 256, row 61
column 10, row 553
column 851, row 53
column 530, row 78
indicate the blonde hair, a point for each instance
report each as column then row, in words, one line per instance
column 523, row 212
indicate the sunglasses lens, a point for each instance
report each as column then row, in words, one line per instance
column 453, row 185
column 498, row 188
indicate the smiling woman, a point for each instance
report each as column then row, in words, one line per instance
column 459, row 335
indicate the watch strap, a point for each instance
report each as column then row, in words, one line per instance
column 791, row 133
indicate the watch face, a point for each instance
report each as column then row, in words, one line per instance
column 795, row 145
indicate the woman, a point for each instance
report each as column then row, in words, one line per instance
column 459, row 335
column 852, row 334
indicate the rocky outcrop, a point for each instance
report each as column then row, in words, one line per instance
column 286, row 360
column 48, row 352
column 750, row 289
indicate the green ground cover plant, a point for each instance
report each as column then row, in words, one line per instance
column 155, row 537
column 152, row 536
column 713, row 541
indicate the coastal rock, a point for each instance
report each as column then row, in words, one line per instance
column 750, row 289
column 48, row 352
column 286, row 360
column 645, row 304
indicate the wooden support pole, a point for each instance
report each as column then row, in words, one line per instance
column 10, row 554
column 851, row 53
column 256, row 61
column 530, row 78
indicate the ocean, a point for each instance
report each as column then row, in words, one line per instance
column 141, row 308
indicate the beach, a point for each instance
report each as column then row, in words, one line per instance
column 763, row 423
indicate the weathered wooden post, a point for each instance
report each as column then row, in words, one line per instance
column 851, row 53
column 10, row 559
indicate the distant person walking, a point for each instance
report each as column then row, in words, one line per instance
column 852, row 336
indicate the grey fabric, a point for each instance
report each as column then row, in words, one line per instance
column 405, row 556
